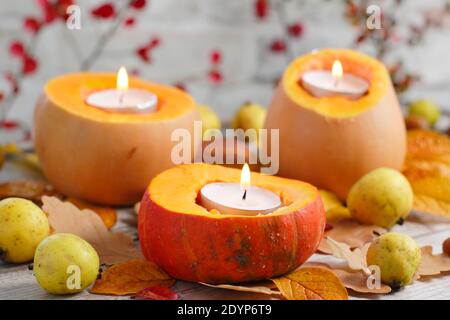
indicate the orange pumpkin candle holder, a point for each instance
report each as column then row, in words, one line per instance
column 102, row 156
column 332, row 141
column 194, row 244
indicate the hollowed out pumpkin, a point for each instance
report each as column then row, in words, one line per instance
column 193, row 244
column 100, row 156
column 331, row 142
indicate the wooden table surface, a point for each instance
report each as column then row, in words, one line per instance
column 17, row 282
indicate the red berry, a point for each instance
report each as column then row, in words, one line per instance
column 261, row 8
column 215, row 76
column 295, row 30
column 215, row 57
column 48, row 10
column 278, row 46
column 104, row 11
column 29, row 65
column 17, row 49
column 143, row 54
column 129, row 22
column 31, row 24
column 138, row 4
column 154, row 43
column 9, row 124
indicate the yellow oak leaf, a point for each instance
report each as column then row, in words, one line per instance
column 311, row 283
column 334, row 208
column 427, row 168
column 130, row 277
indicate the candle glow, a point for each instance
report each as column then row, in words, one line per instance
column 122, row 98
column 122, row 79
column 337, row 72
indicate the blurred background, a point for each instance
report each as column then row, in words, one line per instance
column 224, row 53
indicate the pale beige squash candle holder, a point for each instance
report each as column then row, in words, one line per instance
column 101, row 156
column 332, row 141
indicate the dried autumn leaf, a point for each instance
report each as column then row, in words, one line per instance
column 311, row 283
column 250, row 288
column 108, row 215
column 156, row 293
column 357, row 282
column 112, row 247
column 427, row 168
column 432, row 265
column 356, row 258
column 28, row 189
column 354, row 280
column 334, row 208
column 350, row 232
column 131, row 277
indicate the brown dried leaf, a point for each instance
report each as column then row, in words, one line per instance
column 311, row 283
column 432, row 265
column 112, row 247
column 32, row 190
column 357, row 281
column 131, row 277
column 107, row 214
column 350, row 232
column 356, row 258
column 354, row 280
column 250, row 288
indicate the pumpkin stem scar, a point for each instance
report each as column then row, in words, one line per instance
column 400, row 221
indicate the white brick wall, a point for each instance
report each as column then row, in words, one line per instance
column 190, row 29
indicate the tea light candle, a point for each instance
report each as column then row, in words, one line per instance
column 123, row 99
column 239, row 198
column 321, row 83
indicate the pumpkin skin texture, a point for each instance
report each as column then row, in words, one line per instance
column 99, row 156
column 193, row 244
column 331, row 142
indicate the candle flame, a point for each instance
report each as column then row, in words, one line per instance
column 337, row 71
column 245, row 176
column 122, row 79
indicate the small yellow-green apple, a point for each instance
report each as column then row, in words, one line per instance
column 398, row 257
column 382, row 197
column 23, row 225
column 64, row 264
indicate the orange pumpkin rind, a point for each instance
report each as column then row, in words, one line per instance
column 193, row 244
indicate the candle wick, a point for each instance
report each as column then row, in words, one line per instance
column 121, row 98
column 336, row 82
column 244, row 195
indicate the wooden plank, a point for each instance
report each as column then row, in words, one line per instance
column 17, row 282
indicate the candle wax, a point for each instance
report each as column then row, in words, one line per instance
column 126, row 101
column 321, row 83
column 227, row 198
